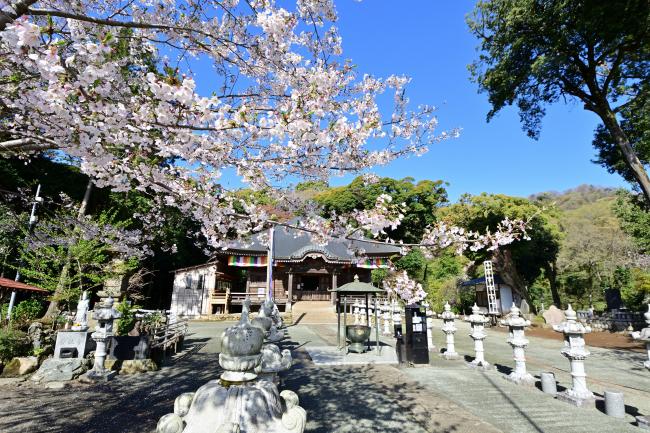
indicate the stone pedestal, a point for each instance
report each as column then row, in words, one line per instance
column 477, row 322
column 644, row 335
column 78, row 340
column 517, row 340
column 574, row 350
column 449, row 328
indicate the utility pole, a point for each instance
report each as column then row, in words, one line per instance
column 32, row 222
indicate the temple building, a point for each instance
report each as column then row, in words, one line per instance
column 302, row 271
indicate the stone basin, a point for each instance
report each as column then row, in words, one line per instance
column 358, row 335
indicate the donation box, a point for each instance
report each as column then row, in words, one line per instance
column 417, row 349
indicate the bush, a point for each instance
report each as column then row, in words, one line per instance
column 127, row 321
column 13, row 343
column 24, row 312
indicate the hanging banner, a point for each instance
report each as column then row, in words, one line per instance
column 375, row 263
column 248, row 261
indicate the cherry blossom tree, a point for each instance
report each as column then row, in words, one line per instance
column 112, row 85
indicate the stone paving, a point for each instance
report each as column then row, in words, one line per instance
column 444, row 397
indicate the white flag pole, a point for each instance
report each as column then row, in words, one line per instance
column 269, row 267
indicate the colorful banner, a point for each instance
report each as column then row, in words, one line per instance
column 374, row 263
column 248, row 261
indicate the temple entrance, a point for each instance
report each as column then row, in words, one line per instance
column 311, row 283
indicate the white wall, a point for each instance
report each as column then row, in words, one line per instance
column 506, row 299
column 188, row 298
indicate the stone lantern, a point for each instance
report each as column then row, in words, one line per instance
column 518, row 341
column 105, row 315
column 265, row 322
column 449, row 328
column 477, row 322
column 644, row 335
column 574, row 350
column 239, row 400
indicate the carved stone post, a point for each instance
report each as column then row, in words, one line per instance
column 518, row 341
column 386, row 316
column 644, row 335
column 574, row 350
column 449, row 328
column 477, row 321
column 429, row 315
column 357, row 312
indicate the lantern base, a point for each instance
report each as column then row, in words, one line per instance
column 521, row 379
column 479, row 365
column 566, row 396
column 450, row 355
column 93, row 376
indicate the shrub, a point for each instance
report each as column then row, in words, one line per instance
column 23, row 312
column 127, row 321
column 13, row 343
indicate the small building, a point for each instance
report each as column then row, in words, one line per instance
column 23, row 290
column 302, row 270
column 505, row 294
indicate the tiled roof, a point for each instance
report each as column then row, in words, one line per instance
column 290, row 243
column 6, row 283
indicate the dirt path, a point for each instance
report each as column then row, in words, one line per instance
column 606, row 340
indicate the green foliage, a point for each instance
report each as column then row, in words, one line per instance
column 442, row 277
column 636, row 294
column 485, row 211
column 312, row 185
column 13, row 343
column 533, row 53
column 634, row 219
column 422, row 199
column 127, row 321
column 23, row 312
column 377, row 276
column 414, row 263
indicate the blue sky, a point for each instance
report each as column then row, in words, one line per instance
column 429, row 41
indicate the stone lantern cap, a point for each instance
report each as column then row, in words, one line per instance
column 476, row 317
column 514, row 319
column 106, row 311
column 571, row 325
column 241, row 349
column 447, row 314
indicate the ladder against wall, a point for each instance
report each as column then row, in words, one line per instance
column 490, row 288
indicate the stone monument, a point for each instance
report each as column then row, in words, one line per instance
column 574, row 350
column 105, row 316
column 553, row 316
column 76, row 342
column 516, row 325
column 644, row 335
column 477, row 321
column 239, row 401
column 449, row 328
column 429, row 315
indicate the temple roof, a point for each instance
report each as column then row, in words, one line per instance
column 292, row 244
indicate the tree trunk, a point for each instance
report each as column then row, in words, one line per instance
column 508, row 272
column 53, row 308
column 611, row 123
column 551, row 274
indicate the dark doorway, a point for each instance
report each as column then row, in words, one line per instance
column 310, row 283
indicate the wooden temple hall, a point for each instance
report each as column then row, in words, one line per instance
column 302, row 271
